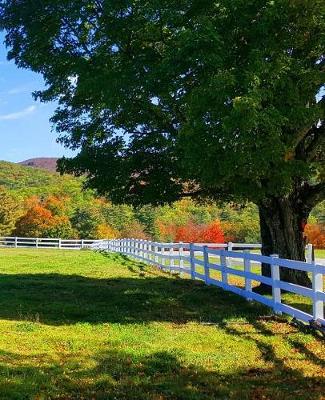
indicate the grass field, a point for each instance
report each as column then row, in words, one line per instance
column 82, row 325
column 320, row 253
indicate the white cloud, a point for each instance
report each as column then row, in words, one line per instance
column 18, row 114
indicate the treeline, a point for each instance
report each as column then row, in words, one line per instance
column 37, row 203
column 95, row 218
column 61, row 216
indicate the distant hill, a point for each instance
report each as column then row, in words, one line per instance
column 48, row 163
column 25, row 181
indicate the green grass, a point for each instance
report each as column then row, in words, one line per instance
column 320, row 253
column 82, row 325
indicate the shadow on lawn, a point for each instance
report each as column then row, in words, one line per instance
column 57, row 299
column 160, row 375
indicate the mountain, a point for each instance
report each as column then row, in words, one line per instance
column 26, row 181
column 48, row 163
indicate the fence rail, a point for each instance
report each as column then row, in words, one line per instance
column 46, row 243
column 216, row 263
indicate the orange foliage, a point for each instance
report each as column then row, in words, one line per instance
column 56, row 205
column 39, row 222
column 167, row 231
column 34, row 222
column 213, row 233
column 315, row 234
column 204, row 233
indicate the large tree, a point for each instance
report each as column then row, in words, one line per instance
column 166, row 98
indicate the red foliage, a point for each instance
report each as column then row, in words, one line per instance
column 204, row 233
column 315, row 234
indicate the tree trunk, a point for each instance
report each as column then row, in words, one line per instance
column 282, row 222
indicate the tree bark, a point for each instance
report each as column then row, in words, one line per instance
column 282, row 222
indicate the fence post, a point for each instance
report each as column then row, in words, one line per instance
column 192, row 261
column 145, row 251
column 142, row 249
column 60, row 245
column 276, row 291
column 247, row 269
column 309, row 255
column 317, row 281
column 150, row 250
column 16, row 242
column 171, row 261
column 36, row 243
column 230, row 248
column 82, row 243
column 180, row 254
column 156, row 253
column 206, row 265
column 163, row 261
column 223, row 262
column 137, row 251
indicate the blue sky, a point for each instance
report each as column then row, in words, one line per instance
column 25, row 131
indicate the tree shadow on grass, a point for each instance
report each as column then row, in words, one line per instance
column 56, row 299
column 160, row 375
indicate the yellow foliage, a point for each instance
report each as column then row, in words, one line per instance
column 104, row 231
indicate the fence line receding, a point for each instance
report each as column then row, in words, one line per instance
column 215, row 264
column 46, row 243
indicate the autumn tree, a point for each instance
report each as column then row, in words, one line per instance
column 9, row 212
column 200, row 233
column 205, row 98
column 86, row 221
column 315, row 234
column 38, row 221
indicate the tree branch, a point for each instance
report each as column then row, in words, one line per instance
column 311, row 195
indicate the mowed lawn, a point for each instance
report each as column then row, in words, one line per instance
column 83, row 325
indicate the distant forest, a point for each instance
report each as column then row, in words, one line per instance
column 39, row 203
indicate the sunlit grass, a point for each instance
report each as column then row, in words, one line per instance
column 82, row 325
column 320, row 253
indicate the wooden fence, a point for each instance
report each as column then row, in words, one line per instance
column 46, row 243
column 215, row 264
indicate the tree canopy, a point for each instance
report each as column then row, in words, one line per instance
column 217, row 96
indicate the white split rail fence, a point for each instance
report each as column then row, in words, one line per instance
column 214, row 263
column 47, row 243
column 203, row 261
